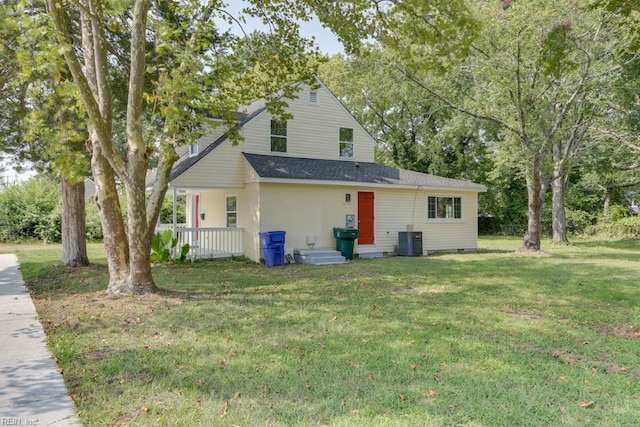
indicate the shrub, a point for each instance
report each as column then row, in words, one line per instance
column 31, row 210
column 164, row 248
column 617, row 223
column 578, row 221
column 92, row 222
column 616, row 213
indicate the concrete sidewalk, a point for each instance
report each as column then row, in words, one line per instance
column 32, row 391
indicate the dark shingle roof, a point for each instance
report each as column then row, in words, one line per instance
column 296, row 168
column 185, row 164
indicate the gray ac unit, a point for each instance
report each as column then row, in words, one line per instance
column 410, row 243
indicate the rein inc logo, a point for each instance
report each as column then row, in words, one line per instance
column 17, row 421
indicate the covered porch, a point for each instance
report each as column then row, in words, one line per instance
column 212, row 231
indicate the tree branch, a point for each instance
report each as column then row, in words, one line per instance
column 620, row 138
column 84, row 88
column 456, row 107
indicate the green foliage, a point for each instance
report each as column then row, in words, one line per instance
column 44, row 121
column 164, row 248
column 617, row 213
column 92, row 222
column 166, row 211
column 31, row 210
column 617, row 223
column 579, row 221
column 628, row 228
column 412, row 129
column 555, row 56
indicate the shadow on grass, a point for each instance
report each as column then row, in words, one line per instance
column 470, row 338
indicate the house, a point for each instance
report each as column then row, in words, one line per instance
column 308, row 175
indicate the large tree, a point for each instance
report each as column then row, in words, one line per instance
column 199, row 69
column 40, row 121
column 413, row 130
column 540, row 72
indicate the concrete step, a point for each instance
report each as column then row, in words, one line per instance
column 318, row 256
column 371, row 255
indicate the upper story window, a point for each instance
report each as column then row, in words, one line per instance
column 314, row 97
column 444, row 207
column 194, row 149
column 346, row 142
column 279, row 136
column 232, row 211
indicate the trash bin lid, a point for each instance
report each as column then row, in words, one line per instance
column 346, row 233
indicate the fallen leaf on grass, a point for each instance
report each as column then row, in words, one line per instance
column 588, row 404
column 225, row 410
column 227, row 404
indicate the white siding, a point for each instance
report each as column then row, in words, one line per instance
column 394, row 210
column 224, row 167
column 397, row 209
column 213, row 205
column 313, row 131
column 303, row 210
column 209, row 137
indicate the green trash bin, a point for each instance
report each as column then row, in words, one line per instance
column 345, row 240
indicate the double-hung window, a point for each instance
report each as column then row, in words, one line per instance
column 346, row 142
column 232, row 212
column 446, row 207
column 279, row 136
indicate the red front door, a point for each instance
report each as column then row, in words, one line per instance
column 365, row 218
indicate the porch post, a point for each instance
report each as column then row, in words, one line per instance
column 175, row 212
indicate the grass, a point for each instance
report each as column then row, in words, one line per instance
column 494, row 338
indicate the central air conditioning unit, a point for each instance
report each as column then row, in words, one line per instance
column 410, row 243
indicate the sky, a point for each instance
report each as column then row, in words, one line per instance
column 325, row 39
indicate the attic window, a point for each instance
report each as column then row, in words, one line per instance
column 279, row 136
column 313, row 97
column 346, row 142
column 194, row 149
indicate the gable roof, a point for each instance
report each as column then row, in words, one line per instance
column 270, row 167
column 259, row 107
column 182, row 166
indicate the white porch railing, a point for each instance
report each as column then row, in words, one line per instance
column 210, row 242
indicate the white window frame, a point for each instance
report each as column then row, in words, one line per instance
column 340, row 142
column 227, row 211
column 285, row 136
column 194, row 149
column 453, row 197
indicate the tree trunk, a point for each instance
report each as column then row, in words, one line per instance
column 74, row 239
column 559, row 193
column 115, row 236
column 140, row 279
column 535, row 192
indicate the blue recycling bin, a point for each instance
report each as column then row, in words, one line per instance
column 273, row 247
column 272, row 238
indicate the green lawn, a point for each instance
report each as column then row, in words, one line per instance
column 495, row 338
